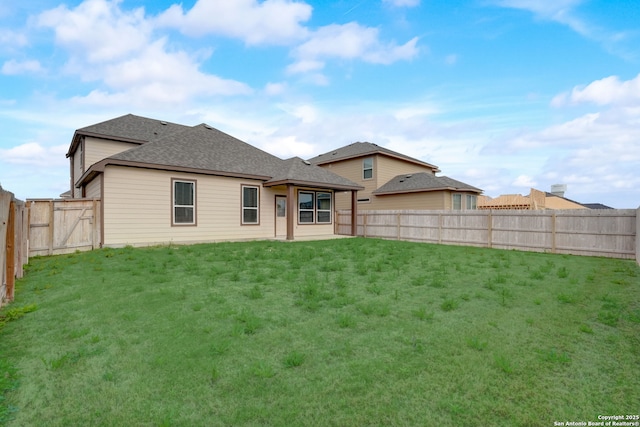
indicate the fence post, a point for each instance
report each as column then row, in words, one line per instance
column 398, row 224
column 51, row 233
column 439, row 228
column 638, row 236
column 490, row 229
column 364, row 224
column 553, row 233
column 94, row 225
column 11, row 251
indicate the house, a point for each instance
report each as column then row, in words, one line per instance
column 161, row 182
column 536, row 200
column 394, row 181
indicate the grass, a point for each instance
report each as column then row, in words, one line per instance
column 346, row 332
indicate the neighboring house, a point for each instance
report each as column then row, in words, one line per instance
column 162, row 182
column 536, row 200
column 394, row 181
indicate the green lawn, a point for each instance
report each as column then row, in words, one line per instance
column 347, row 332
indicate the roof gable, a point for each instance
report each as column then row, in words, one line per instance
column 362, row 149
column 423, row 181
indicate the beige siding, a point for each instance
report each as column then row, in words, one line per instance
column 97, row 149
column 93, row 190
column 138, row 205
column 384, row 168
column 422, row 201
column 78, row 170
column 388, row 167
column 352, row 170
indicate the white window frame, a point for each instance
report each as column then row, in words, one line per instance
column 455, row 196
column 472, row 202
column 318, row 210
column 175, row 205
column 252, row 208
column 366, row 168
column 312, row 210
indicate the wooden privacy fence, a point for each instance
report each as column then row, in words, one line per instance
column 13, row 243
column 63, row 226
column 609, row 233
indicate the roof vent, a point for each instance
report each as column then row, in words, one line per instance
column 207, row 126
column 306, row 162
column 401, row 179
column 163, row 123
column 334, row 153
column 409, row 176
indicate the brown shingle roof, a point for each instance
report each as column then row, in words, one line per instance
column 423, row 181
column 361, row 149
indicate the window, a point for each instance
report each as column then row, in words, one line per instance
column 323, row 212
column 184, row 202
column 305, row 207
column 314, row 207
column 367, row 168
column 281, row 207
column 250, row 203
column 472, row 202
column 457, row 202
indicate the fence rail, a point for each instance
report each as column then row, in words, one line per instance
column 609, row 233
column 14, row 252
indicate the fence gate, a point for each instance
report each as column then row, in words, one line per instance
column 63, row 226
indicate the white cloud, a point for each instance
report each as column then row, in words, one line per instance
column 116, row 49
column 34, row 154
column 266, row 22
column 524, row 181
column 98, row 30
column 13, row 67
column 606, row 91
column 564, row 12
column 272, row 89
column 11, row 40
column 349, row 41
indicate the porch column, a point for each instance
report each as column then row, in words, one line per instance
column 291, row 213
column 354, row 213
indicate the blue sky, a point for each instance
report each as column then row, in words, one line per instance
column 502, row 94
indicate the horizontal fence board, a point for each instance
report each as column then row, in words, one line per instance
column 608, row 233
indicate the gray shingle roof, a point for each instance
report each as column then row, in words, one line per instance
column 132, row 128
column 423, row 181
column 204, row 149
column 296, row 170
column 360, row 149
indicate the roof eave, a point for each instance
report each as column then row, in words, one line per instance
column 100, row 166
column 303, row 183
column 425, row 190
column 75, row 141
